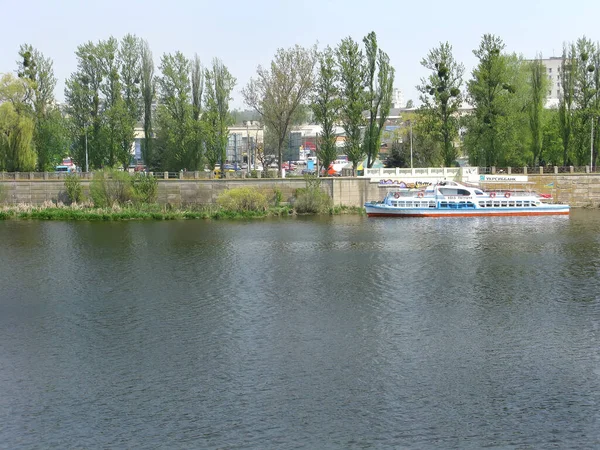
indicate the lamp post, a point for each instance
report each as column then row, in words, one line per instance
column 247, row 148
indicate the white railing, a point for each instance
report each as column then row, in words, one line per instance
column 447, row 172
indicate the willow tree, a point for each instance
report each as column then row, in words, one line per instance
column 351, row 63
column 17, row 152
column 379, row 84
column 326, row 105
column 278, row 92
column 441, row 98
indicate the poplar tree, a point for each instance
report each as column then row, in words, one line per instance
column 326, row 105
column 441, row 98
column 379, row 83
column 351, row 65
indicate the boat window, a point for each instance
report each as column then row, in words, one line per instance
column 519, row 203
column 454, row 191
column 511, row 203
column 488, row 203
column 526, row 203
column 482, row 204
column 432, row 204
column 470, row 205
column 478, row 192
column 496, row 204
column 504, row 204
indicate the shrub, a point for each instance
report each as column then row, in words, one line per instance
column 311, row 199
column 243, row 200
column 145, row 188
column 278, row 196
column 111, row 186
column 74, row 188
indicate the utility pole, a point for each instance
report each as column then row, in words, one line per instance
column 87, row 166
column 592, row 148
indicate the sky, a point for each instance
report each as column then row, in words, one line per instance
column 245, row 34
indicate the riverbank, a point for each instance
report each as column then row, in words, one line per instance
column 150, row 212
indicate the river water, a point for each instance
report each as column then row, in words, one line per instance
column 342, row 332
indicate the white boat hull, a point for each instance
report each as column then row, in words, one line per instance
column 383, row 210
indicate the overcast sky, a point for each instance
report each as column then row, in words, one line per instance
column 245, row 34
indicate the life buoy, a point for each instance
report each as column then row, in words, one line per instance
column 420, row 195
column 396, row 194
column 492, row 194
column 507, row 194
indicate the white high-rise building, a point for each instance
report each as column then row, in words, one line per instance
column 397, row 99
column 553, row 67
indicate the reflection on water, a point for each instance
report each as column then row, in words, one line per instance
column 341, row 332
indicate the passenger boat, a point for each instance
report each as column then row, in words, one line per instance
column 452, row 199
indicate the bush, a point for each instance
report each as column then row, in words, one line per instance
column 145, row 188
column 111, row 186
column 278, row 196
column 311, row 199
column 74, row 188
column 243, row 200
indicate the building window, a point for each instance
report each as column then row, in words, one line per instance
column 558, row 93
column 549, row 92
column 550, row 70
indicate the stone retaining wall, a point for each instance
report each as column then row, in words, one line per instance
column 575, row 189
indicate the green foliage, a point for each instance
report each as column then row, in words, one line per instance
column 243, row 200
column 219, row 85
column 398, row 156
column 441, row 97
column 110, row 187
column 279, row 90
column 17, row 153
column 145, row 188
column 104, row 101
column 539, row 83
column 498, row 134
column 351, row 64
column 176, row 125
column 74, row 188
column 311, row 199
column 380, row 83
column 551, row 138
column 326, row 106
column 148, row 88
column 278, row 196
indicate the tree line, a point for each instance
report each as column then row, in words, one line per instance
column 184, row 108
column 498, row 116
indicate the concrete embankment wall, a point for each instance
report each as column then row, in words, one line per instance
column 578, row 190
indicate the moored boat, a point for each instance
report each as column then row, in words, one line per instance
column 452, row 199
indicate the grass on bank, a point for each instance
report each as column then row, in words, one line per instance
column 117, row 198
